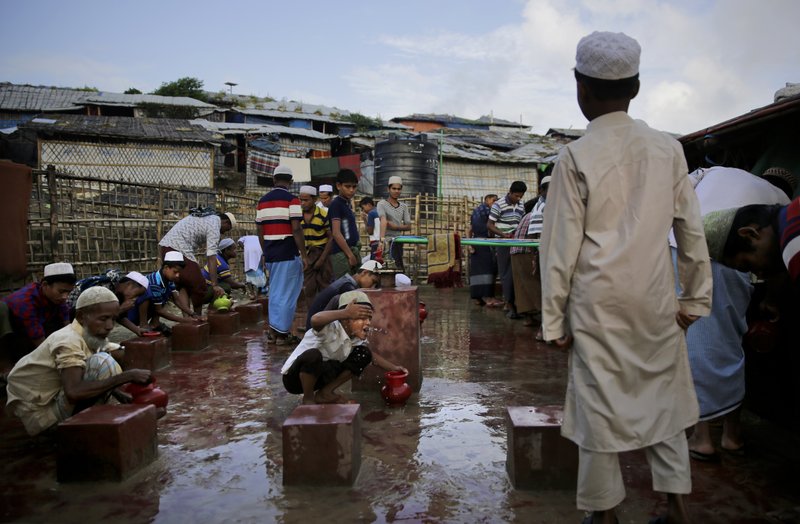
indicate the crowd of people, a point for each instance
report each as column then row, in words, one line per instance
column 640, row 271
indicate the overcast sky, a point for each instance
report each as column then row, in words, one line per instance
column 703, row 61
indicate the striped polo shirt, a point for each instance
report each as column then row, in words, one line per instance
column 506, row 216
column 274, row 216
column 316, row 231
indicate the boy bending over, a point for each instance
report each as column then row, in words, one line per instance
column 333, row 351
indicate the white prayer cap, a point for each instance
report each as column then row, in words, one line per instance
column 95, row 295
column 173, row 256
column 225, row 243
column 326, row 187
column 58, row 269
column 308, row 190
column 371, row 265
column 232, row 219
column 401, row 280
column 359, row 296
column 284, row 171
column 545, row 180
column 395, row 180
column 608, row 56
column 138, row 278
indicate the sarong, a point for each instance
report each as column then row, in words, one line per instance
column 285, row 283
column 527, row 286
column 315, row 280
column 482, row 272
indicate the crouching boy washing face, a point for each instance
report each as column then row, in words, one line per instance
column 333, row 351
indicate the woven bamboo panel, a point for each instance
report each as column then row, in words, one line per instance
column 175, row 164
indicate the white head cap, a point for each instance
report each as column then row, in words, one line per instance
column 232, row 219
column 225, row 243
column 173, row 256
column 95, row 295
column 58, row 269
column 545, row 180
column 138, row 278
column 371, row 265
column 608, row 56
column 326, row 187
column 401, row 280
column 284, row 171
column 308, row 190
column 395, row 180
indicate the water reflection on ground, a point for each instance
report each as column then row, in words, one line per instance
column 439, row 459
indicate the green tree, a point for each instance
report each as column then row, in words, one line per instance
column 132, row 91
column 186, row 86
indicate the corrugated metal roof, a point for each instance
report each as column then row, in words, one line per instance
column 150, row 129
column 121, row 99
column 39, row 98
column 227, row 128
column 452, row 119
column 275, row 113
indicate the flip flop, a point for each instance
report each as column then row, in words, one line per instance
column 704, row 457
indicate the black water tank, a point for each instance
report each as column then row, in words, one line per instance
column 414, row 159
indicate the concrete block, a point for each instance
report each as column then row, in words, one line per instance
column 322, row 445
column 151, row 353
column 250, row 313
column 190, row 337
column 106, row 442
column 396, row 337
column 226, row 323
column 538, row 457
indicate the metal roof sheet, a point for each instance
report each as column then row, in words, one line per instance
column 227, row 128
column 452, row 119
column 121, row 99
column 15, row 97
column 149, row 129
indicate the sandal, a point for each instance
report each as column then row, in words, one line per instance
column 288, row 340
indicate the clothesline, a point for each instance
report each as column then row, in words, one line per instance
column 494, row 242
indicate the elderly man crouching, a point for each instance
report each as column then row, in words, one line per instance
column 68, row 372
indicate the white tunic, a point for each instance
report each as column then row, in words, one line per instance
column 608, row 279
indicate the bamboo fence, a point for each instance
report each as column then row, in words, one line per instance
column 97, row 224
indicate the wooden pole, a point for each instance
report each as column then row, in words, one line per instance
column 51, row 186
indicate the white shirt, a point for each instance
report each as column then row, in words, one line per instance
column 332, row 341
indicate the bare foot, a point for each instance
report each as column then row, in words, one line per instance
column 308, row 400
column 324, row 397
column 160, row 412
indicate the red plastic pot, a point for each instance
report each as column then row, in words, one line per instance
column 147, row 394
column 396, row 392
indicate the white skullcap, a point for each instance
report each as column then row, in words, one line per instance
column 173, row 256
column 371, row 265
column 225, row 243
column 326, row 187
column 608, row 56
column 58, row 269
column 138, row 278
column 283, row 170
column 545, row 180
column 95, row 295
column 308, row 190
column 401, row 280
column 232, row 219
column 359, row 296
column 395, row 180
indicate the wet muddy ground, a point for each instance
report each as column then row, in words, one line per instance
column 439, row 459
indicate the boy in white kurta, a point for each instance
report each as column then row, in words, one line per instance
column 608, row 285
column 333, row 351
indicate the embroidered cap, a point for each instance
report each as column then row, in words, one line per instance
column 232, row 219
column 308, row 190
column 326, row 187
column 173, row 256
column 225, row 243
column 359, row 296
column 395, row 180
column 717, row 226
column 95, row 295
column 608, row 56
column 371, row 265
column 58, row 269
column 282, row 172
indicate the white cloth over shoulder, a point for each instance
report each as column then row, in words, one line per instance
column 252, row 252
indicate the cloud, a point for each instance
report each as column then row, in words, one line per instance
column 702, row 62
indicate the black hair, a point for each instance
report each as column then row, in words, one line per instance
column 529, row 205
column 174, row 264
column 346, row 176
column 490, row 195
column 223, row 216
column 757, row 215
column 518, row 186
column 60, row 279
column 610, row 89
column 366, row 200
